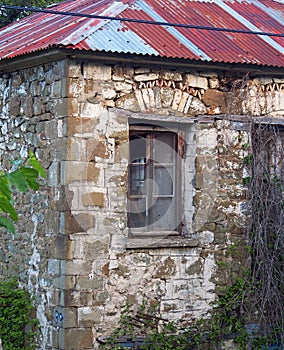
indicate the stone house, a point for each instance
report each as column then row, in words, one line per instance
column 142, row 131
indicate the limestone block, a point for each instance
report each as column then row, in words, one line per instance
column 97, row 72
column 90, row 283
column 130, row 102
column 175, row 76
column 183, row 101
column 122, row 72
column 74, row 70
column 108, row 93
column 88, row 110
column 78, row 338
column 214, row 83
column 70, row 317
column 78, row 298
column 197, row 107
column 196, row 81
column 167, row 95
column 94, row 199
column 176, row 99
column 78, row 222
column 80, row 125
column 75, row 88
column 77, row 267
column 146, row 77
column 123, row 87
column 72, row 171
column 87, row 316
column 64, row 282
column 97, row 148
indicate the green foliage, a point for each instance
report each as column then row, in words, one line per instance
column 23, row 176
column 144, row 321
column 9, row 16
column 18, row 329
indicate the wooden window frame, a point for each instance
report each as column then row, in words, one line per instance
column 178, row 151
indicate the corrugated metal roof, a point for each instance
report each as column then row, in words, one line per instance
column 44, row 30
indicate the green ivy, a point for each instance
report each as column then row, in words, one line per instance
column 18, row 327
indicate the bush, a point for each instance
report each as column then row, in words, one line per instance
column 18, row 326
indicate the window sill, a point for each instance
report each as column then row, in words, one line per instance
column 160, row 242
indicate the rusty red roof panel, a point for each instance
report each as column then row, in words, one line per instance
column 45, row 30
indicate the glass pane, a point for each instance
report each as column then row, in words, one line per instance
column 164, row 147
column 137, row 148
column 137, row 212
column 137, row 179
column 164, row 214
column 163, row 180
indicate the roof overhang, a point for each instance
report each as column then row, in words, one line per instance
column 58, row 53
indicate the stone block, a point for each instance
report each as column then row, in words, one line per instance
column 97, row 147
column 122, row 72
column 77, row 267
column 167, row 95
column 88, row 110
column 87, row 316
column 78, row 298
column 214, row 83
column 129, row 102
column 108, row 93
column 146, row 77
column 50, row 129
column 123, row 87
column 78, row 222
column 197, row 107
column 74, row 69
column 89, row 283
column 64, row 107
column 195, row 81
column 93, row 199
column 64, row 282
column 78, row 339
column 72, row 171
column 176, row 99
column 213, row 97
column 70, row 315
column 96, row 248
column 97, row 72
column 80, row 126
column 53, row 267
column 175, row 76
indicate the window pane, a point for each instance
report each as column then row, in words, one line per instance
column 137, row 148
column 164, row 147
column 164, row 214
column 137, row 179
column 137, row 212
column 163, row 180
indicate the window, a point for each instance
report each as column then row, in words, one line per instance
column 153, row 180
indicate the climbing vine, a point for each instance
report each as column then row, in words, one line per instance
column 266, row 233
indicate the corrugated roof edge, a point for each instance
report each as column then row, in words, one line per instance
column 55, row 52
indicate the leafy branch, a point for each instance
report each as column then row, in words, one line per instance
column 23, row 176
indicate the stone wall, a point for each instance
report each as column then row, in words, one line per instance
column 78, row 258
